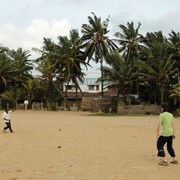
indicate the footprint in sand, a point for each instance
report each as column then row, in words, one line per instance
column 19, row 170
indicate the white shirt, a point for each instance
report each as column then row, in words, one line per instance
column 26, row 102
column 6, row 116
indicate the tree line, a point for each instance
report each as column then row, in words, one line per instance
column 131, row 63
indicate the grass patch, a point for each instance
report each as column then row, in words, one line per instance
column 114, row 114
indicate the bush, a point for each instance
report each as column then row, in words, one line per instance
column 53, row 106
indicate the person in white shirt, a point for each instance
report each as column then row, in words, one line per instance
column 7, row 120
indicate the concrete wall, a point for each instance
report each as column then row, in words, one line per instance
column 138, row 109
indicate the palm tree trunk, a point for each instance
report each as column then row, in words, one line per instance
column 162, row 93
column 102, row 75
column 61, row 94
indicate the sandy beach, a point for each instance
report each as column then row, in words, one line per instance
column 67, row 145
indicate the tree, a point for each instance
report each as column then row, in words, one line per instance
column 129, row 41
column 30, row 87
column 130, row 46
column 11, row 95
column 174, row 40
column 6, row 68
column 96, row 42
column 119, row 75
column 47, row 65
column 72, row 59
column 157, row 64
column 22, row 64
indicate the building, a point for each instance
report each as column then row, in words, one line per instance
column 89, row 85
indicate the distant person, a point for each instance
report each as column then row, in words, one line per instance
column 26, row 102
column 7, row 120
column 165, row 135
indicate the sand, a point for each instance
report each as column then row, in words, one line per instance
column 67, row 145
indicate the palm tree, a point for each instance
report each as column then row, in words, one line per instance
column 30, row 87
column 12, row 96
column 72, row 59
column 119, row 75
column 62, row 61
column 22, row 67
column 174, row 40
column 175, row 93
column 22, row 64
column 6, row 68
column 47, row 64
column 157, row 64
column 96, row 42
column 130, row 41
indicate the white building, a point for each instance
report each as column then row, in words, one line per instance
column 89, row 84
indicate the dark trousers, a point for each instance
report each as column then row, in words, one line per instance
column 8, row 126
column 162, row 140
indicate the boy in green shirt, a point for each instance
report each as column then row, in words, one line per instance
column 165, row 135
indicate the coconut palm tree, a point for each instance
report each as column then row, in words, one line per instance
column 6, row 68
column 174, row 40
column 22, row 64
column 72, row 59
column 21, row 67
column 62, row 61
column 175, row 93
column 129, row 41
column 96, row 42
column 31, row 86
column 157, row 64
column 119, row 75
column 47, row 64
column 12, row 96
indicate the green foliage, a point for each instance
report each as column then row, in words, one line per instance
column 147, row 65
column 53, row 106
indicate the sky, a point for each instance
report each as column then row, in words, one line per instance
column 24, row 23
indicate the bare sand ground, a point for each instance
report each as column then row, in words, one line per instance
column 68, row 145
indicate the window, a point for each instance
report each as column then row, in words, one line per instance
column 91, row 87
column 71, row 87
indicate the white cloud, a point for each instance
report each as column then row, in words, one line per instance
column 60, row 28
column 165, row 23
column 32, row 35
column 8, row 32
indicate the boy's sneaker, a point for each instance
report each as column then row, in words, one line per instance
column 163, row 163
column 174, row 162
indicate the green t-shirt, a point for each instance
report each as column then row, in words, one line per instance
column 166, row 120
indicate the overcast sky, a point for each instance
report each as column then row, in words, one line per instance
column 24, row 23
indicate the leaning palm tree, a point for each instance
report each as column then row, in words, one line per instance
column 96, row 42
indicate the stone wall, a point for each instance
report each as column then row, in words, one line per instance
column 138, row 109
column 99, row 104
